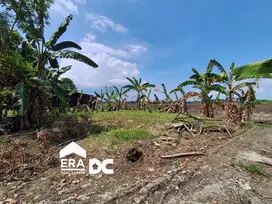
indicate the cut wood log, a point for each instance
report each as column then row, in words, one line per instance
column 185, row 154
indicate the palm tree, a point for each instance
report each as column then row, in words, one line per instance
column 205, row 83
column 136, row 85
column 231, row 87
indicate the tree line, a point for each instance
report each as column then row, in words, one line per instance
column 30, row 74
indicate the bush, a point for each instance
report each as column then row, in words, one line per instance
column 67, row 127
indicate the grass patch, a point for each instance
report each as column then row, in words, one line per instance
column 127, row 135
column 4, row 141
column 255, row 169
column 132, row 118
column 252, row 168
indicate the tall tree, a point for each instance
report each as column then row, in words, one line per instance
column 68, row 84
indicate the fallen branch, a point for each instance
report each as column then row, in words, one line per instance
column 188, row 130
column 185, row 154
column 227, row 130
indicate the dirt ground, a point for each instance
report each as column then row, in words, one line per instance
column 212, row 178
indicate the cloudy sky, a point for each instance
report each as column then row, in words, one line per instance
column 160, row 41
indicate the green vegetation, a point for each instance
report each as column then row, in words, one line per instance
column 4, row 141
column 255, row 169
column 30, row 72
column 263, row 102
column 252, row 168
column 134, row 118
column 31, row 76
column 261, row 69
column 129, row 135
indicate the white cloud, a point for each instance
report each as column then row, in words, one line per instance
column 137, row 49
column 264, row 85
column 128, row 51
column 103, row 23
column 112, row 69
column 89, row 37
column 66, row 7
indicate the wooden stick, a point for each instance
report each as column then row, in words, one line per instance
column 185, row 154
column 201, row 128
column 189, row 130
column 227, row 130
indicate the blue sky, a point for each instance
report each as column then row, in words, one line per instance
column 161, row 40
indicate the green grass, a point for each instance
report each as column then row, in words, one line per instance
column 255, row 169
column 4, row 141
column 128, row 135
column 118, row 136
column 134, row 118
column 252, row 168
column 116, row 127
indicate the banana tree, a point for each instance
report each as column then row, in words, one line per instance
column 260, row 69
column 232, row 87
column 205, row 83
column 111, row 97
column 46, row 55
column 101, row 96
column 247, row 101
column 167, row 96
column 146, row 98
column 48, row 52
column 120, row 96
column 183, row 105
column 136, row 85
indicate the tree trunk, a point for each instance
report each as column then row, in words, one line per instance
column 138, row 101
column 204, row 108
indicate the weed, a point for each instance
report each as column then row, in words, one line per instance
column 252, row 168
column 255, row 169
column 4, row 141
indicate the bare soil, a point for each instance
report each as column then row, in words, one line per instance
column 212, row 178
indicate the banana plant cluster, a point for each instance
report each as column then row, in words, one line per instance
column 36, row 85
column 139, row 88
column 114, row 97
